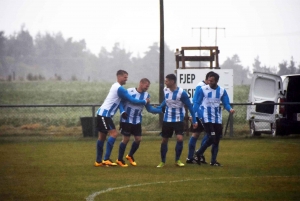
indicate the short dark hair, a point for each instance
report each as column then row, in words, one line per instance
column 143, row 80
column 215, row 75
column 208, row 74
column 171, row 77
column 121, row 72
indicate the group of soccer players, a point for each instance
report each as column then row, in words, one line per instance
column 206, row 114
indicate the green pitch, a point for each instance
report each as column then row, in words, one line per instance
column 61, row 168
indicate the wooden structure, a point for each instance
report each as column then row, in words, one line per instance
column 212, row 58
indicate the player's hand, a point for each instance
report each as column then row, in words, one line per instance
column 232, row 111
column 124, row 115
column 147, row 100
column 195, row 125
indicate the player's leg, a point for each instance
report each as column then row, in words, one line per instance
column 179, row 144
column 102, row 133
column 110, row 142
column 167, row 132
column 134, row 147
column 215, row 145
column 99, row 148
column 211, row 135
column 137, row 132
column 126, row 132
column 192, row 146
column 204, row 139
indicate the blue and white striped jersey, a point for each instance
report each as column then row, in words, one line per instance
column 111, row 103
column 134, row 111
column 199, row 85
column 174, row 102
column 209, row 101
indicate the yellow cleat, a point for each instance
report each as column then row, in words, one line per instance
column 161, row 164
column 97, row 164
column 121, row 163
column 131, row 160
column 179, row 163
column 109, row 162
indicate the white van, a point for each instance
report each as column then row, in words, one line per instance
column 269, row 118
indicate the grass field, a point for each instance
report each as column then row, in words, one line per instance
column 61, row 168
column 44, row 157
column 48, row 120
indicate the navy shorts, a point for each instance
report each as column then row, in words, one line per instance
column 213, row 129
column 168, row 128
column 105, row 124
column 127, row 129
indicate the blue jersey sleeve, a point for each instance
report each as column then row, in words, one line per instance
column 151, row 109
column 122, row 93
column 225, row 101
column 121, row 107
column 185, row 99
column 196, row 94
column 197, row 100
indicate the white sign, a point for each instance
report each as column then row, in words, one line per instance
column 188, row 79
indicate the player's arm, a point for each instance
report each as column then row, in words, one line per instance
column 162, row 106
column 152, row 109
column 197, row 99
column 226, row 102
column 185, row 99
column 123, row 113
column 122, row 93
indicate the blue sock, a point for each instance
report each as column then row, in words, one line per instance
column 192, row 145
column 163, row 152
column 109, row 146
column 204, row 139
column 99, row 151
column 135, row 145
column 214, row 152
column 178, row 150
column 122, row 148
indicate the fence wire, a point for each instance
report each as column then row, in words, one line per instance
column 68, row 120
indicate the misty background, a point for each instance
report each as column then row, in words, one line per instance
column 50, row 56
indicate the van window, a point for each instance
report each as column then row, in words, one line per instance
column 265, row 88
column 269, row 109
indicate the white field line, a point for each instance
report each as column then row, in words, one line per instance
column 92, row 196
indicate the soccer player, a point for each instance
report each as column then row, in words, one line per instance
column 175, row 99
column 104, row 117
column 196, row 132
column 209, row 97
column 131, row 121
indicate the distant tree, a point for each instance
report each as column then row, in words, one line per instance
column 283, row 70
column 2, row 45
column 20, row 45
column 258, row 68
column 148, row 66
column 170, row 63
column 292, row 69
column 240, row 74
column 3, row 66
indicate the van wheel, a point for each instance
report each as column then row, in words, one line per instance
column 252, row 129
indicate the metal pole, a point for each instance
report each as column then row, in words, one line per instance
column 93, row 123
column 231, row 125
column 161, row 58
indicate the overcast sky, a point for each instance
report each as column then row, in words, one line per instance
column 265, row 28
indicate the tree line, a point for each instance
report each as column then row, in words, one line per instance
column 51, row 56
